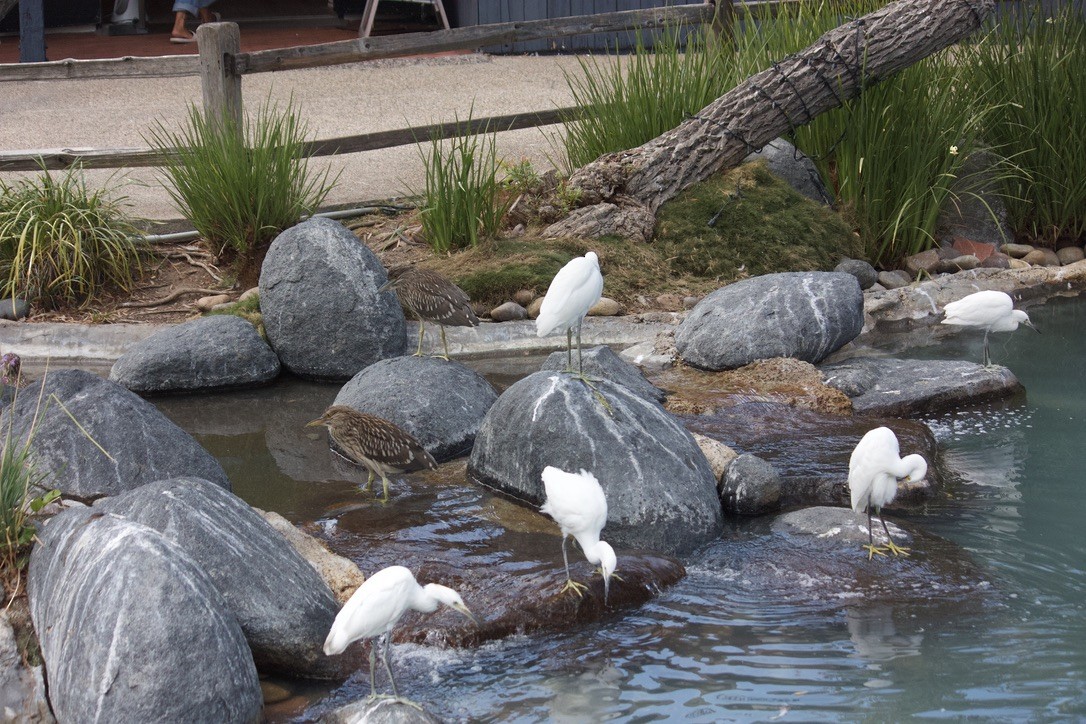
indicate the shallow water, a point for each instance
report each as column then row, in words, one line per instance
column 709, row 649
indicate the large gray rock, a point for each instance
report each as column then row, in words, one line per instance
column 909, row 387
column 22, row 687
column 282, row 605
column 661, row 493
column 603, row 362
column 813, row 559
column 863, row 271
column 806, row 315
column 318, row 297
column 142, row 444
column 132, row 630
column 441, row 403
column 793, row 166
column 750, row 486
column 206, row 354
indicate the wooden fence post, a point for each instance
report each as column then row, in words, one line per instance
column 31, row 31
column 219, row 45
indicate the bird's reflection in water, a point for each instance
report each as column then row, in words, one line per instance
column 586, row 695
column 875, row 637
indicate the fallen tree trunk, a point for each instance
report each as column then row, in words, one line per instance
column 620, row 191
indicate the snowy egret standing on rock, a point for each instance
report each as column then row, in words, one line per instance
column 991, row 311
column 378, row 604
column 577, row 503
column 873, row 472
column 575, row 288
column 374, row 442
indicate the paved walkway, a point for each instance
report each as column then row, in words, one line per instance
column 333, row 101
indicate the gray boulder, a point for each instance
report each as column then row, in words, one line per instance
column 142, row 444
column 603, row 362
column 660, row 490
column 908, row 387
column 22, row 687
column 441, row 403
column 865, row 273
column 282, row 605
column 806, row 315
column 13, row 308
column 750, row 486
column 813, row 559
column 318, row 297
column 206, row 354
column 132, row 630
column 793, row 166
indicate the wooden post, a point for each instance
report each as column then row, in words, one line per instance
column 219, row 45
column 31, row 31
column 724, row 20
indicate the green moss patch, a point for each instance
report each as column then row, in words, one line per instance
column 748, row 222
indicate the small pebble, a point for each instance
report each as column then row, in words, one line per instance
column 206, row 304
column 524, row 297
column 1016, row 250
column 533, row 308
column 508, row 312
column 1070, row 254
column 249, row 294
column 606, row 307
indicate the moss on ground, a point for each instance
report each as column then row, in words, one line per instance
column 748, row 222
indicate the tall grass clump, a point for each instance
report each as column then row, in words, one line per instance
column 61, row 242
column 462, row 199
column 894, row 155
column 631, row 99
column 241, row 183
column 1033, row 69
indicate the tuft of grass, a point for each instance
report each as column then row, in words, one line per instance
column 463, row 200
column 1032, row 70
column 241, row 184
column 249, row 310
column 62, row 243
column 748, row 222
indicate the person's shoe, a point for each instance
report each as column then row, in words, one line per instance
column 191, row 38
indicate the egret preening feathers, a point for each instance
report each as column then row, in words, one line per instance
column 991, row 311
column 873, row 472
column 575, row 288
column 577, row 503
column 378, row 604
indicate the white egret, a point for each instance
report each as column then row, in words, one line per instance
column 873, row 472
column 575, row 288
column 378, row 604
column 991, row 311
column 577, row 503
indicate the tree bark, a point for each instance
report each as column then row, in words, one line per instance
column 836, row 68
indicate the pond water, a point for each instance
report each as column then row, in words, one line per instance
column 707, row 649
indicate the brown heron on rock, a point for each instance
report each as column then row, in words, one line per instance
column 376, row 443
column 431, row 298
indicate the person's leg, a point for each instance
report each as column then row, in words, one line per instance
column 181, row 9
column 206, row 16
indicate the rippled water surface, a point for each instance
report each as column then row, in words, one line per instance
column 708, row 649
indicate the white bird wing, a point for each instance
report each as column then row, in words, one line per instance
column 374, row 608
column 979, row 310
column 875, row 455
column 575, row 288
column 575, row 500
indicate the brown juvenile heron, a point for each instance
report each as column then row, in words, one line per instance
column 431, row 298
column 374, row 442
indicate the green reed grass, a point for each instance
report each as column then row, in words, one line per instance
column 462, row 199
column 1033, row 69
column 240, row 184
column 61, row 242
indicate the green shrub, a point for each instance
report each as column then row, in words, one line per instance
column 462, row 200
column 1032, row 70
column 61, row 243
column 241, row 184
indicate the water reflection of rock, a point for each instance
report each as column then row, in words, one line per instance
column 875, row 636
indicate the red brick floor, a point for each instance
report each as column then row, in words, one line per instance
column 89, row 45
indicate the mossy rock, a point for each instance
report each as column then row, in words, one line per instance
column 748, row 222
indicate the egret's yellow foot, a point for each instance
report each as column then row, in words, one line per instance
column 873, row 550
column 897, row 550
column 614, row 576
column 595, row 392
column 572, row 585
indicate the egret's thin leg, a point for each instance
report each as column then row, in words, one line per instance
column 388, row 666
column 422, row 331
column 443, row 342
column 891, row 546
column 373, row 667
column 571, row 585
column 569, row 349
column 871, row 548
column 580, row 362
column 987, row 355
